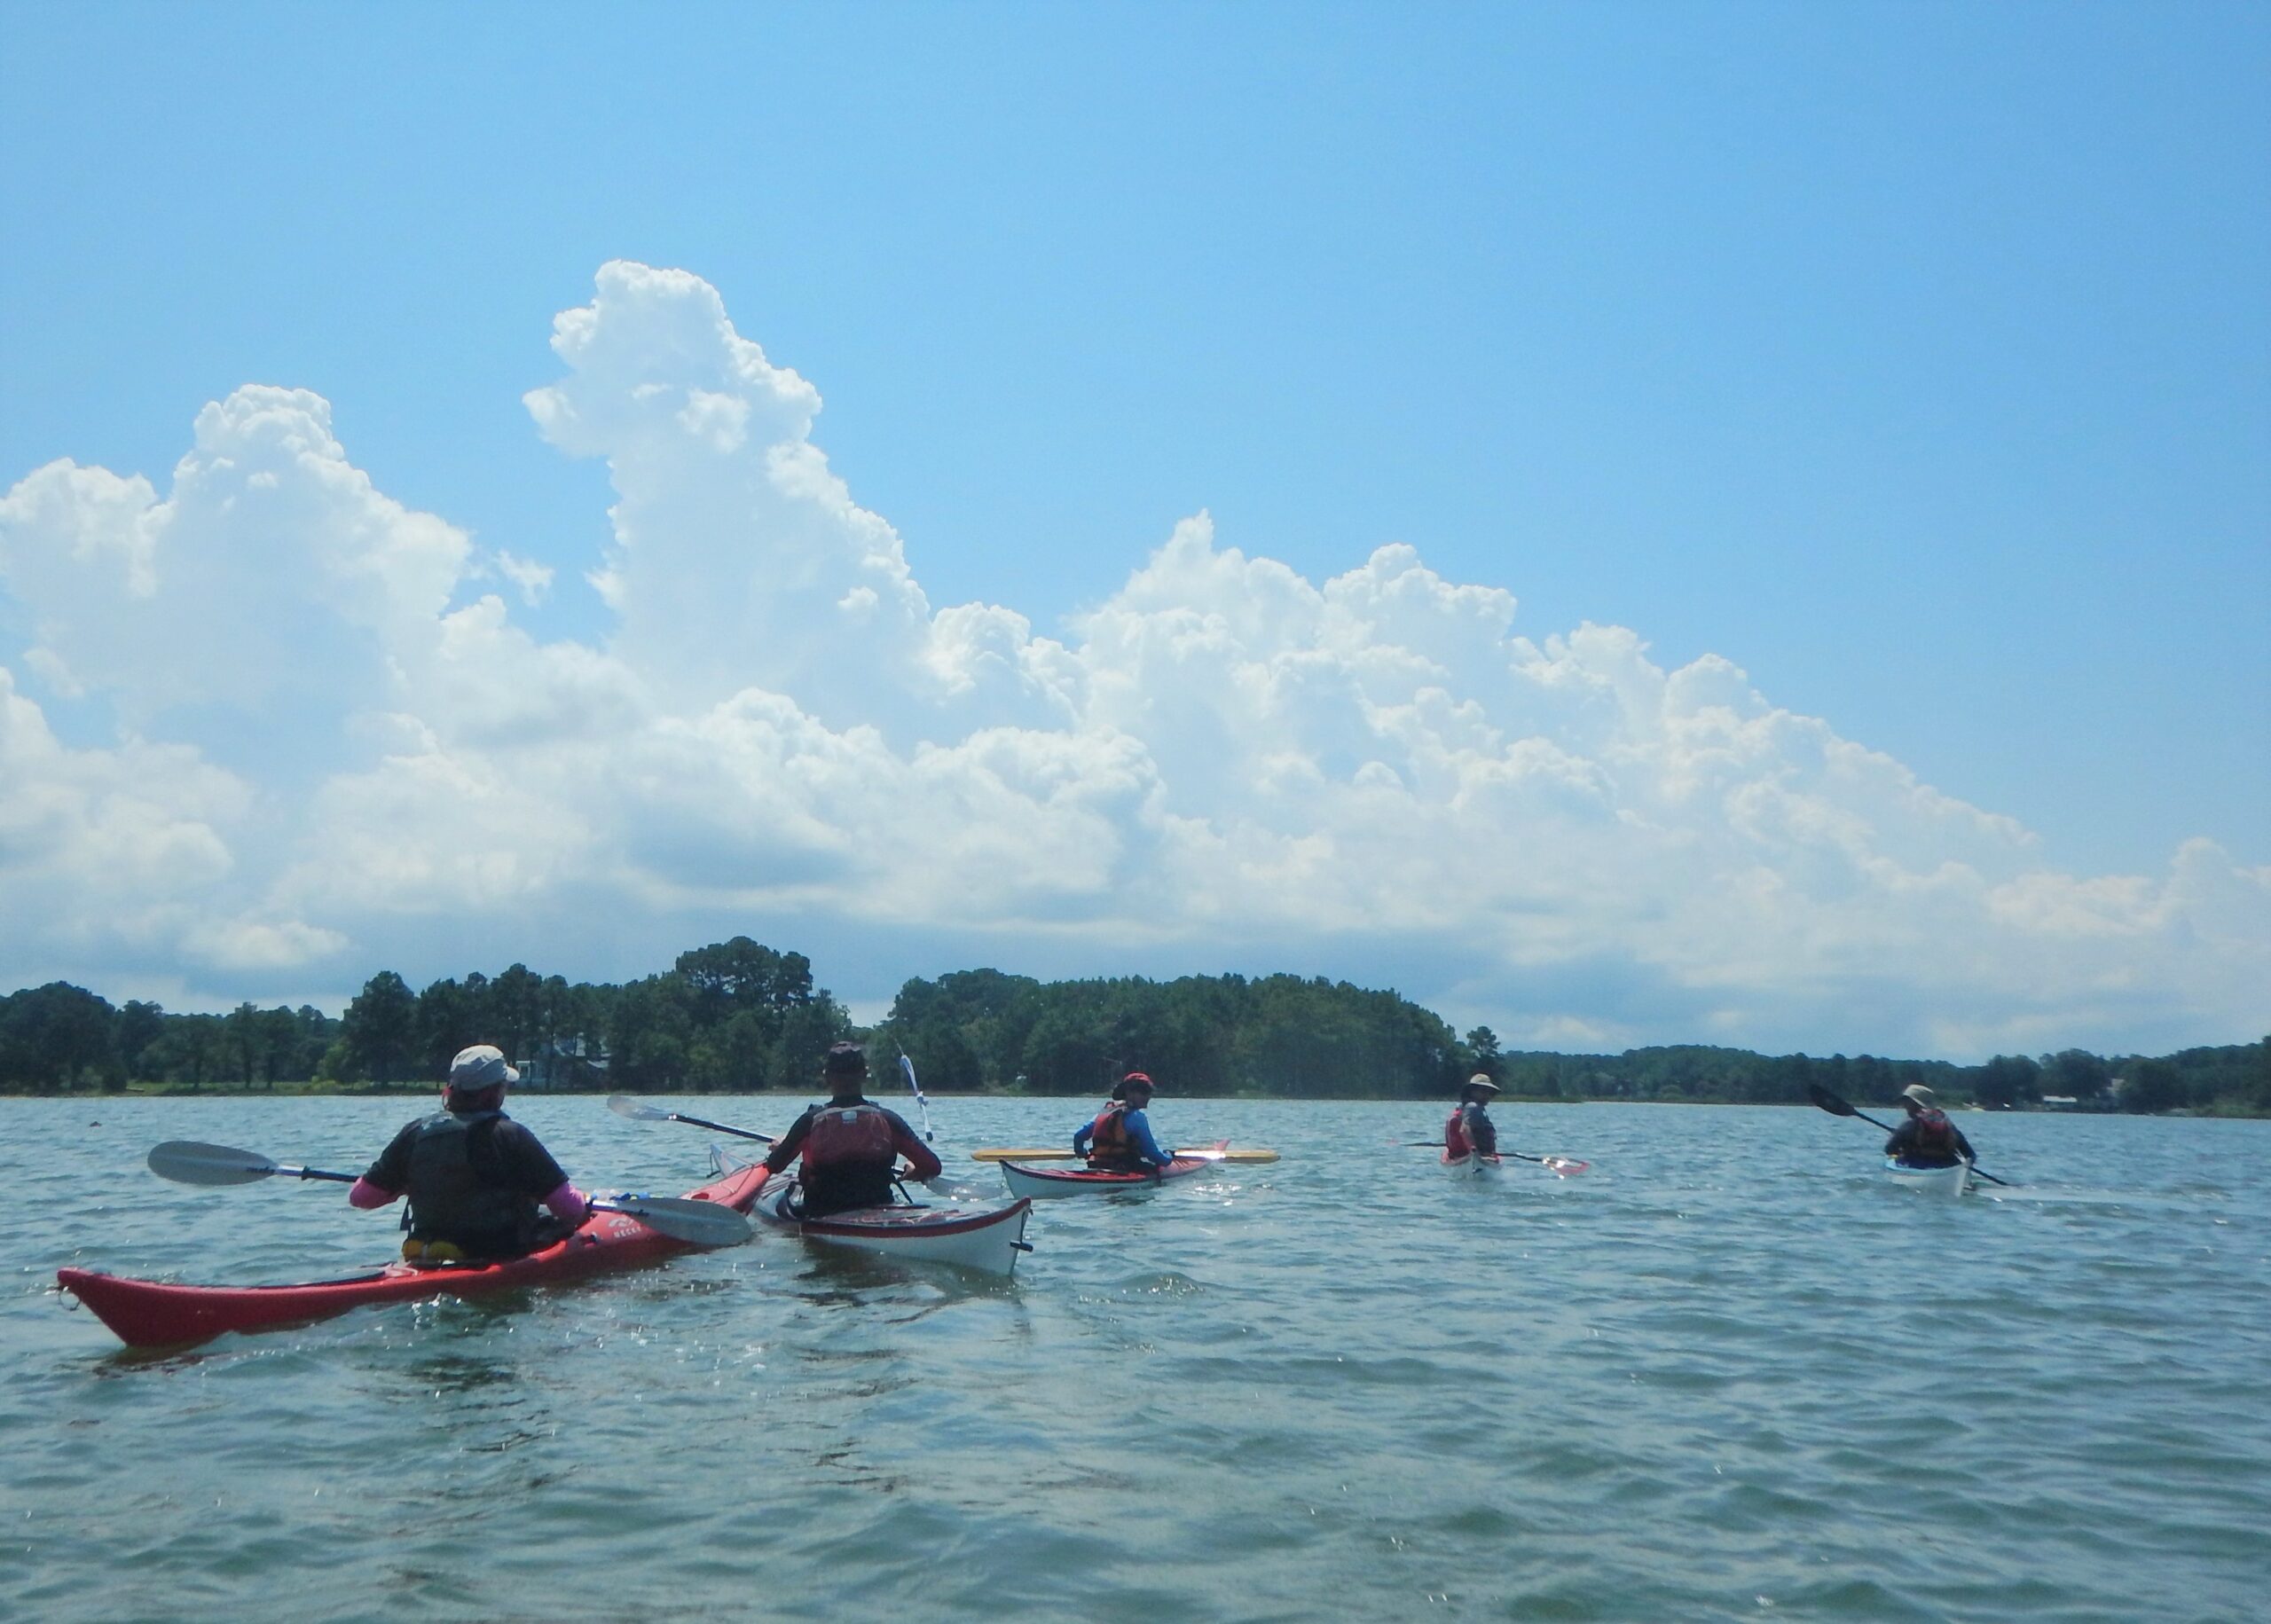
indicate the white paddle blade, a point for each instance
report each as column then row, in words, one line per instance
column 1564, row 1165
column 698, row 1223
column 623, row 1105
column 185, row 1161
column 957, row 1189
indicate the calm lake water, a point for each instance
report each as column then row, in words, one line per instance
column 1685, row 1384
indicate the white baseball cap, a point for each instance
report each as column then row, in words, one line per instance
column 481, row 1066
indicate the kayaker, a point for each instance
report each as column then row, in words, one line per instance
column 474, row 1177
column 1927, row 1139
column 851, row 1146
column 1118, row 1139
column 1470, row 1130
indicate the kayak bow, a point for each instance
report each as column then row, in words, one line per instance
column 1932, row 1180
column 1472, row 1166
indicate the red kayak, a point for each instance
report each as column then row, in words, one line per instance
column 1026, row 1178
column 152, row 1313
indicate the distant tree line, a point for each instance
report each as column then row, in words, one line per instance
column 734, row 1015
column 1284, row 1037
column 1278, row 1035
column 58, row 1037
column 740, row 1016
column 2233, row 1079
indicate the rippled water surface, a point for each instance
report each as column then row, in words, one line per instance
column 1725, row 1372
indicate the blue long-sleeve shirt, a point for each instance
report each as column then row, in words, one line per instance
column 1139, row 1139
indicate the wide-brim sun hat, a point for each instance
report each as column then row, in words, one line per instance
column 481, row 1066
column 1481, row 1080
column 1918, row 1093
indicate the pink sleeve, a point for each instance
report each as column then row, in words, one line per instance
column 365, row 1195
column 567, row 1206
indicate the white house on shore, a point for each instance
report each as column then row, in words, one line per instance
column 564, row 1063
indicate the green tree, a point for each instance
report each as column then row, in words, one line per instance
column 451, row 1014
column 2006, row 1080
column 516, row 1012
column 2152, row 1085
column 650, row 1034
column 58, row 1036
column 247, row 1041
column 807, row 1030
column 2075, row 1074
column 139, row 1025
column 379, row 1029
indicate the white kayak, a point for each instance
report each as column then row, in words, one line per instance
column 986, row 1239
column 1474, row 1165
column 1932, row 1180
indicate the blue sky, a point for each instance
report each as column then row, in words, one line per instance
column 1912, row 359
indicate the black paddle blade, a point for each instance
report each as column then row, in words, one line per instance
column 1829, row 1101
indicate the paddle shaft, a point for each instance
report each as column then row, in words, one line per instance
column 716, row 1127
column 1437, row 1144
column 1043, row 1154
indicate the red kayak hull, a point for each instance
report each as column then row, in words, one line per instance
column 1034, row 1181
column 153, row 1313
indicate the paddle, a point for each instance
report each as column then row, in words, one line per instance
column 698, row 1223
column 1836, row 1107
column 623, row 1105
column 998, row 1153
column 1566, row 1167
column 907, row 1070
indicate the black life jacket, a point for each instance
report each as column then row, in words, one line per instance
column 456, row 1192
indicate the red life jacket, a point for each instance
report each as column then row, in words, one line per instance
column 842, row 1135
column 1458, row 1142
column 1935, row 1133
column 1108, row 1136
column 1455, row 1144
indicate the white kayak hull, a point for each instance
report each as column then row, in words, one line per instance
column 984, row 1239
column 1949, row 1181
column 1472, row 1166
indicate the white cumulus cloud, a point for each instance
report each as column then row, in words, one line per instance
column 328, row 751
